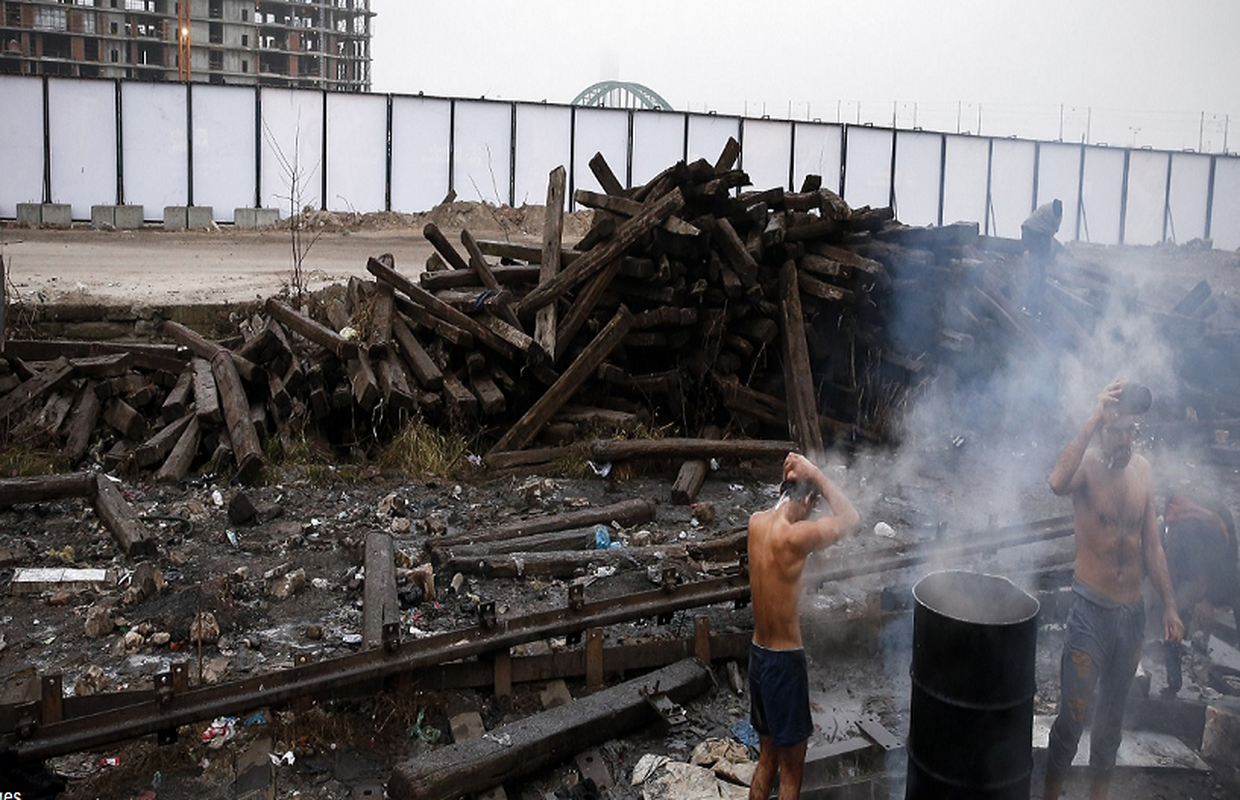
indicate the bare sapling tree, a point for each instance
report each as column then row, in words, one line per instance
column 296, row 178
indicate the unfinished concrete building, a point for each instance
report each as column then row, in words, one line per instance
column 291, row 43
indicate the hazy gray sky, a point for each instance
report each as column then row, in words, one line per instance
column 1146, row 69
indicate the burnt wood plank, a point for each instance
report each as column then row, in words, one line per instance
column 553, row 234
column 559, row 393
column 803, row 425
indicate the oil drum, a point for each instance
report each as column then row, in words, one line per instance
column 973, row 678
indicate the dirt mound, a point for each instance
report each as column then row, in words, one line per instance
column 481, row 219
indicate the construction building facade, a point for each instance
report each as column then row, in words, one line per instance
column 292, row 44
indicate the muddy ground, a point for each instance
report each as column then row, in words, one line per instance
column 944, row 484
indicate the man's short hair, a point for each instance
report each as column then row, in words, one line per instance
column 799, row 491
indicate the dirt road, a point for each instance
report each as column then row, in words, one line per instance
column 154, row 266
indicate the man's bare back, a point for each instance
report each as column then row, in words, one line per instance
column 780, row 539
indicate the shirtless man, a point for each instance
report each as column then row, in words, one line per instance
column 780, row 539
column 1116, row 535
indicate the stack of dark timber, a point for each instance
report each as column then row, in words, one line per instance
column 741, row 323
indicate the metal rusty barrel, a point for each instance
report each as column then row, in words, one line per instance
column 973, row 675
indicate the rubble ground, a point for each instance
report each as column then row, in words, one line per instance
column 291, row 584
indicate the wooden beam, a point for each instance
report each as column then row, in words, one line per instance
column 693, row 472
column 553, row 234
column 441, row 310
column 46, row 487
column 119, row 518
column 625, row 512
column 803, row 424
column 312, row 330
column 624, row 449
column 592, row 262
column 560, row 392
column 444, row 247
column 379, row 603
column 520, row 748
column 36, row 388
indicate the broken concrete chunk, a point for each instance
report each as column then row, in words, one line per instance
column 424, row 578
column 285, row 586
column 90, row 682
column 1220, row 742
column 99, row 622
column 147, row 580
column 204, row 629
column 436, row 525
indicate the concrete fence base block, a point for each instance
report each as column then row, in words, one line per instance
column 103, row 216
column 247, row 218
column 1220, row 741
column 200, row 218
column 30, row 214
column 57, row 215
column 129, row 217
column 176, row 218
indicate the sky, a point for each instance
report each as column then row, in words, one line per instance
column 1135, row 73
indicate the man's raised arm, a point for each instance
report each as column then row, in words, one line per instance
column 1067, row 477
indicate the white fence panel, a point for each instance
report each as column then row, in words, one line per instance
column 1225, row 212
column 154, row 146
column 544, row 142
column 225, row 142
column 658, row 142
column 1011, row 186
column 766, row 153
column 82, row 123
column 292, row 155
column 709, row 134
column 1059, row 178
column 1147, row 197
column 964, row 179
column 1190, row 189
column 1101, row 195
column 356, row 152
column 918, row 157
column 21, row 130
column 867, row 173
column 421, row 139
column 816, row 151
column 482, row 151
column 599, row 130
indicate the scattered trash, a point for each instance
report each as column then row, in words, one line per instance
column 646, row 766
column 425, row 734
column 601, row 470
column 218, row 498
column 288, row 758
column 258, row 718
column 221, row 730
column 473, row 459
column 604, row 572
column 232, row 537
column 352, row 639
column 714, row 465
column 883, row 529
column 109, row 761
column 745, row 733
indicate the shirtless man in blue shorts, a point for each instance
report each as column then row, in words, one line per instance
column 780, row 539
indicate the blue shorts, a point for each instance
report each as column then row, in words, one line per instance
column 779, row 694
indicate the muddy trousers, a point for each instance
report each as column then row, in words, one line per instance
column 1100, row 657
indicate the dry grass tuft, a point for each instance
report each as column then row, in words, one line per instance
column 418, row 449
